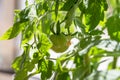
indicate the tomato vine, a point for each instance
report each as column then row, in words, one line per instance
column 53, row 24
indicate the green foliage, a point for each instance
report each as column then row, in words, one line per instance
column 112, row 26
column 13, row 31
column 51, row 24
column 63, row 76
column 93, row 12
column 45, row 67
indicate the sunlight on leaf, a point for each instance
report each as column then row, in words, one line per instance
column 13, row 31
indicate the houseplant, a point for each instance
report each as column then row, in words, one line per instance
column 51, row 25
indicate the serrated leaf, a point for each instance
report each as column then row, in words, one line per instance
column 42, row 67
column 13, row 31
column 113, row 28
column 44, row 43
column 27, row 34
column 45, row 67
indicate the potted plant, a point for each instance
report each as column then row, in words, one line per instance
column 74, row 30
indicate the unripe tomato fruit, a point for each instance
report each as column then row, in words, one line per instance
column 60, row 43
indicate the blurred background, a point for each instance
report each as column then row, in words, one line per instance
column 9, row 48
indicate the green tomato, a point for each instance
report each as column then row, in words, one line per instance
column 60, row 43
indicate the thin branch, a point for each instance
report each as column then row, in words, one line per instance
column 32, row 74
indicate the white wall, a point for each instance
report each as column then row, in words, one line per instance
column 6, row 20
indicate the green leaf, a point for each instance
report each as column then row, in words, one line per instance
column 68, row 5
column 63, row 76
column 26, row 3
column 27, row 14
column 24, row 14
column 92, row 18
column 27, row 34
column 50, row 68
column 82, row 7
column 45, row 67
column 46, row 22
column 39, row 8
column 104, row 4
column 85, row 42
column 45, row 6
column 78, row 73
column 77, row 60
column 69, row 16
column 113, row 28
column 37, row 1
column 59, row 66
column 23, row 64
column 94, row 12
column 79, row 23
column 86, row 46
column 21, row 18
column 42, row 67
column 21, row 75
column 20, row 62
column 44, row 43
column 13, row 31
column 17, row 63
column 19, row 66
column 96, row 32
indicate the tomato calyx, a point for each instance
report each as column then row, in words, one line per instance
column 61, row 42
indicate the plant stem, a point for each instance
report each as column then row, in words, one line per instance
column 118, row 7
column 32, row 74
column 87, row 63
column 114, row 62
column 115, row 57
column 55, row 76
